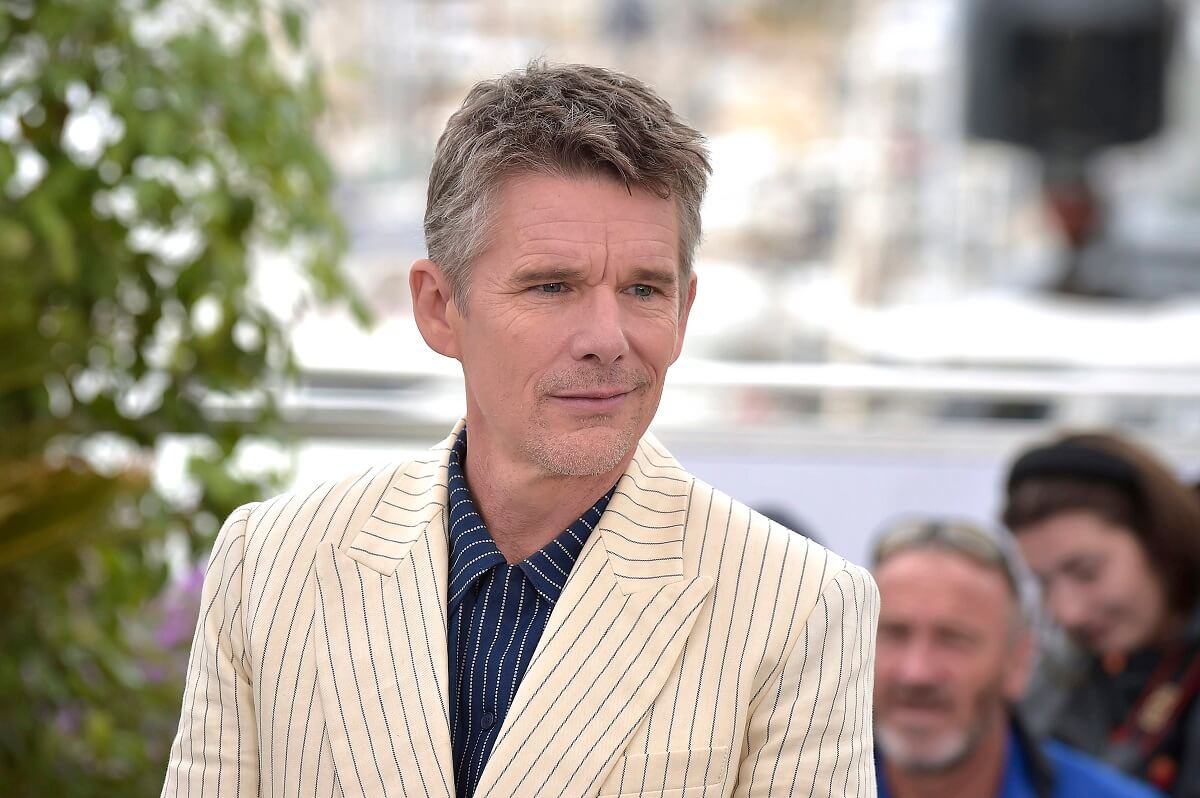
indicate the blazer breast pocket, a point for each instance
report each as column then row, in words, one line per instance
column 667, row 774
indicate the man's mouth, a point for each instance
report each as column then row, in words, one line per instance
column 593, row 401
column 593, row 394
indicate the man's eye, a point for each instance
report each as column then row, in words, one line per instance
column 551, row 288
column 958, row 640
column 643, row 290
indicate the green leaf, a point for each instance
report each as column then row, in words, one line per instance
column 293, row 26
column 57, row 237
column 16, row 242
column 8, row 163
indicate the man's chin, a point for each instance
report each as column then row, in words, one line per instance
column 925, row 753
column 586, row 452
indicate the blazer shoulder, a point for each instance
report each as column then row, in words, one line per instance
column 803, row 558
column 720, row 530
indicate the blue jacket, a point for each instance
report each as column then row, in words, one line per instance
column 1051, row 770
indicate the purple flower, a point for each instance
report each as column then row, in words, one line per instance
column 153, row 673
column 193, row 583
column 180, row 605
column 67, row 719
column 175, row 627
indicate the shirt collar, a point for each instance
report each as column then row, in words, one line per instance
column 473, row 552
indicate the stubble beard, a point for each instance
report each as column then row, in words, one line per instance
column 559, row 456
column 590, row 450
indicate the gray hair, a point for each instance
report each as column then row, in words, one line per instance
column 564, row 120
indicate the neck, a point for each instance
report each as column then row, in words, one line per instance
column 525, row 508
column 980, row 774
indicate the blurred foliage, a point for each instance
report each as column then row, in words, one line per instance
column 149, row 152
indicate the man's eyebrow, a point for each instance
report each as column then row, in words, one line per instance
column 547, row 274
column 649, row 274
column 964, row 630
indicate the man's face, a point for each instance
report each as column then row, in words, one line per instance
column 947, row 657
column 575, row 311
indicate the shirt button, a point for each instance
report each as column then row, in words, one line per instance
column 488, row 720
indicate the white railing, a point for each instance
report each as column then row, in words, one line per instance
column 707, row 400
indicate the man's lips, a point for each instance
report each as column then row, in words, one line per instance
column 593, row 401
column 915, row 716
column 593, row 394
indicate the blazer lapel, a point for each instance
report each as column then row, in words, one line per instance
column 613, row 638
column 381, row 641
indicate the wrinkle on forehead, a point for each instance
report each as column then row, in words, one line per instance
column 542, row 222
column 595, row 244
column 626, row 231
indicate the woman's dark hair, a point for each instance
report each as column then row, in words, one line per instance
column 1123, row 484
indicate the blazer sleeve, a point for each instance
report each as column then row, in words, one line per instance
column 810, row 734
column 216, row 748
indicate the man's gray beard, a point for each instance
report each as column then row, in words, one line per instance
column 895, row 748
column 560, row 458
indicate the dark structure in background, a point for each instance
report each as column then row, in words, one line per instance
column 786, row 519
column 1067, row 79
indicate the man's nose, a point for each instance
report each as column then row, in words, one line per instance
column 600, row 333
column 918, row 663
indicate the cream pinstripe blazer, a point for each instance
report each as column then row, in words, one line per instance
column 697, row 650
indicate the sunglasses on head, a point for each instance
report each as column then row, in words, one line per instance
column 962, row 537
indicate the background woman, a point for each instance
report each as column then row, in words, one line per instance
column 1114, row 538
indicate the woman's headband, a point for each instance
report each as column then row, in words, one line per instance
column 1073, row 460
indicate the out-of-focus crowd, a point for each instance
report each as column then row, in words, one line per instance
column 1054, row 653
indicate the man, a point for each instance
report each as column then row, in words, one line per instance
column 954, row 653
column 548, row 604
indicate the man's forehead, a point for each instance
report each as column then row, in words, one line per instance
column 545, row 194
column 987, row 621
column 572, row 213
column 630, row 232
column 932, row 578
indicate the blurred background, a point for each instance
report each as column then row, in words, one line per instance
column 894, row 293
column 937, row 231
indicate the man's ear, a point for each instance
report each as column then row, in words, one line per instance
column 433, row 307
column 684, row 311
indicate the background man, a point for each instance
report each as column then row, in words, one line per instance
column 548, row 604
column 955, row 649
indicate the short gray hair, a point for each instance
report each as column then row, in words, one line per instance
column 567, row 120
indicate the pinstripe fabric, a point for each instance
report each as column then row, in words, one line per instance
column 696, row 651
column 497, row 613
